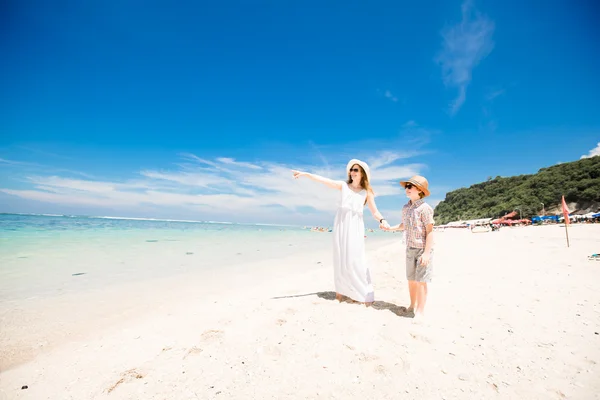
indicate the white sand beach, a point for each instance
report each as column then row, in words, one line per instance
column 513, row 314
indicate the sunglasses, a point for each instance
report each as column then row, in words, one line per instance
column 354, row 170
column 409, row 186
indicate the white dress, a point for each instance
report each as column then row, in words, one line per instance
column 351, row 274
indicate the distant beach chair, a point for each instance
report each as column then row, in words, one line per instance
column 480, row 229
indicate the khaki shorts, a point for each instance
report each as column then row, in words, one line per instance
column 415, row 271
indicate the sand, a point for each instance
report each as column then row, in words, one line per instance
column 513, row 314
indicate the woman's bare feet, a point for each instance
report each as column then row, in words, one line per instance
column 339, row 297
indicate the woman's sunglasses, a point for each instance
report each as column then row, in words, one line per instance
column 354, row 170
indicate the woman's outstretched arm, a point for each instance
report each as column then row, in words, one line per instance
column 318, row 178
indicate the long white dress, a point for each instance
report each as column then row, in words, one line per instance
column 351, row 274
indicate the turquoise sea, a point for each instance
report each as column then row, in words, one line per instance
column 45, row 255
column 15, row 227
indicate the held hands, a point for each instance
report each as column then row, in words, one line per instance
column 298, row 174
column 385, row 226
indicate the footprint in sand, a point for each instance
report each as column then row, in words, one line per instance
column 127, row 376
column 290, row 311
column 402, row 364
column 191, row 351
column 380, row 369
column 211, row 334
column 280, row 321
column 420, row 337
column 560, row 394
column 367, row 357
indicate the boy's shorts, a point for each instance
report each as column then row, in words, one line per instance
column 415, row 271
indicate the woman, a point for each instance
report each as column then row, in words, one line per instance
column 352, row 276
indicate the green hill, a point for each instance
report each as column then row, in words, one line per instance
column 578, row 181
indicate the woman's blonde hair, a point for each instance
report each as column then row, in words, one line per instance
column 364, row 180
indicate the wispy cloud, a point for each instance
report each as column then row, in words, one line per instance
column 593, row 152
column 189, row 179
column 387, row 157
column 390, row 96
column 493, row 93
column 231, row 161
column 13, row 162
column 464, row 46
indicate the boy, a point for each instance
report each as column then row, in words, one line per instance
column 417, row 224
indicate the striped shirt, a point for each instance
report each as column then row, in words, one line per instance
column 415, row 217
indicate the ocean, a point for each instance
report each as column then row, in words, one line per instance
column 48, row 255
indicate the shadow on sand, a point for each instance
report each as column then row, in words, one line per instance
column 378, row 305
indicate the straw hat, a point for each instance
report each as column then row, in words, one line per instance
column 362, row 164
column 420, row 182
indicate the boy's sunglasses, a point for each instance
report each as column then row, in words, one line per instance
column 409, row 186
column 354, row 170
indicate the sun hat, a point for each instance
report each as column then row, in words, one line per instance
column 362, row 164
column 420, row 182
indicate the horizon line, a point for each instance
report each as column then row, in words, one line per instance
column 145, row 219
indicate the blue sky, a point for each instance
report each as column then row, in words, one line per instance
column 199, row 111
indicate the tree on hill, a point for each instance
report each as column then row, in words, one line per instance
column 578, row 181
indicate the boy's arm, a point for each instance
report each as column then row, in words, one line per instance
column 428, row 238
column 427, row 220
column 426, row 256
column 399, row 227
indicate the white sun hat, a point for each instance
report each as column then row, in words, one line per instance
column 363, row 164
